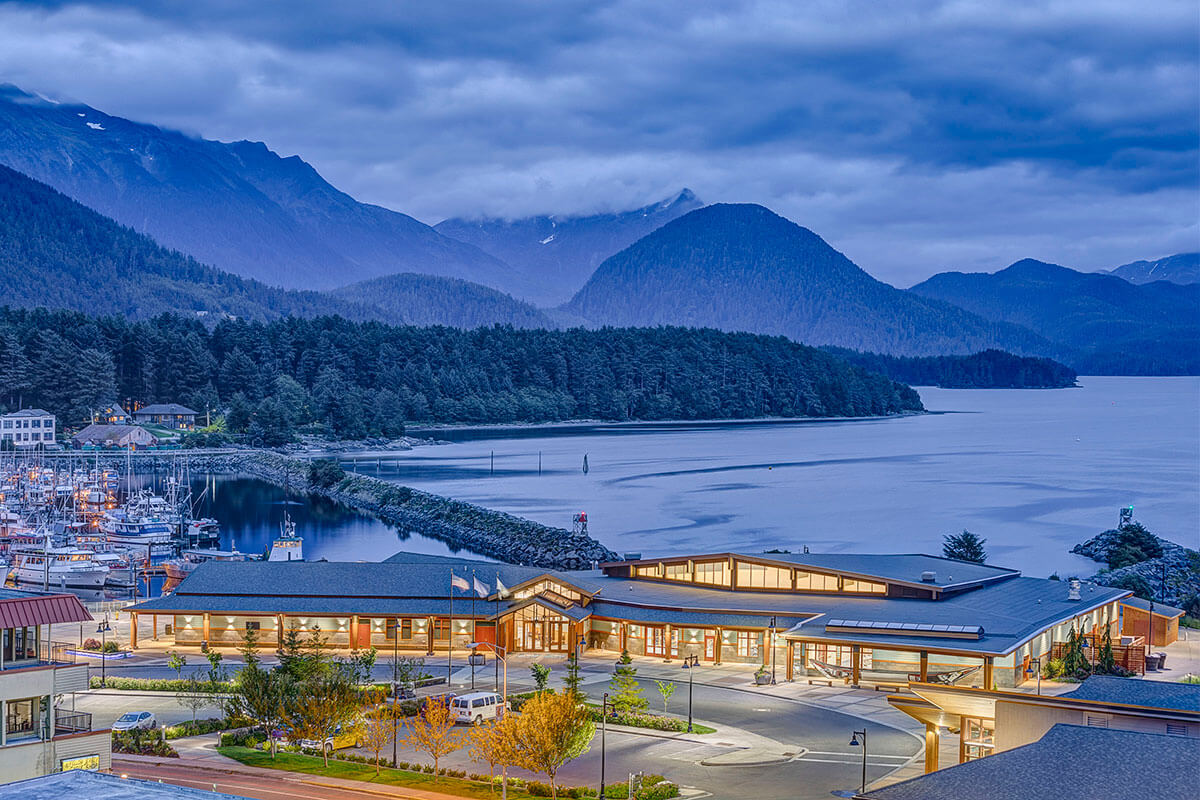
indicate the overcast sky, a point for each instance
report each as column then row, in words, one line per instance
column 913, row 136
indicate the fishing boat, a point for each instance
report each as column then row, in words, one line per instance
column 59, row 567
column 135, row 530
column 287, row 546
column 180, row 568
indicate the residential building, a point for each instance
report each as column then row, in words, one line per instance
column 839, row 618
column 1069, row 762
column 168, row 415
column 119, row 436
column 29, row 427
column 112, row 415
column 39, row 735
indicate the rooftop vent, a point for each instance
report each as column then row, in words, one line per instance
column 928, row 576
column 1073, row 592
column 633, row 556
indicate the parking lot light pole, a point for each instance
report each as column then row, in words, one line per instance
column 855, row 743
column 103, row 628
column 395, row 686
column 603, row 731
column 503, row 705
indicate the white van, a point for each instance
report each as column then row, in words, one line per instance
column 476, row 707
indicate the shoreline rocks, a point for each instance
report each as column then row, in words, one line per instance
column 1178, row 585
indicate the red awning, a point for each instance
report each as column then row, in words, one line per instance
column 23, row 612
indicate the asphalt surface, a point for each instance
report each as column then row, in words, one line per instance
column 264, row 788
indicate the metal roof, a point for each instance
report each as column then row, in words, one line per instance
column 102, row 786
column 29, row 412
column 40, row 609
column 1160, row 609
column 1150, row 693
column 1118, row 763
column 164, row 408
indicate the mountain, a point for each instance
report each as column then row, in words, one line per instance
column 1179, row 268
column 55, row 252
column 744, row 268
column 1113, row 326
column 237, row 206
column 425, row 300
column 558, row 254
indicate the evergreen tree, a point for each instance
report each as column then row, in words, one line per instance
column 627, row 692
column 964, row 546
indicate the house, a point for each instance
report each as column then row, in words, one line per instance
column 112, row 415
column 40, row 734
column 1070, row 762
column 168, row 415
column 119, row 436
column 29, row 427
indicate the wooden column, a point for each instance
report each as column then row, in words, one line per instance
column 624, row 637
column 717, row 647
column 768, row 650
column 279, row 618
column 988, row 672
column 667, row 642
column 206, row 628
column 933, row 741
column 154, row 627
column 429, row 634
column 133, row 615
column 925, row 666
column 354, row 632
column 855, row 663
column 791, row 660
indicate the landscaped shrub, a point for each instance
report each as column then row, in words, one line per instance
column 110, row 647
column 142, row 743
column 539, row 789
column 659, row 791
column 244, row 738
column 91, row 644
column 153, row 684
column 637, row 720
column 202, row 726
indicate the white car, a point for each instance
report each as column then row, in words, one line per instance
column 135, row 720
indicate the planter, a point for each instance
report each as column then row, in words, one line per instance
column 762, row 678
column 102, row 656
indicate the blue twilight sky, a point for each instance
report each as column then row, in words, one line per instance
column 915, row 136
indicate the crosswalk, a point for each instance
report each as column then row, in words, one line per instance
column 847, row 757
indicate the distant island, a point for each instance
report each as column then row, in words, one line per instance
column 990, row 369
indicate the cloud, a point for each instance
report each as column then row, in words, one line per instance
column 916, row 137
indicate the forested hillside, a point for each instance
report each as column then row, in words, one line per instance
column 54, row 252
column 410, row 299
column 355, row 379
column 1108, row 325
column 991, row 369
column 744, row 268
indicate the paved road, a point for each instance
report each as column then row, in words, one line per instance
column 105, row 708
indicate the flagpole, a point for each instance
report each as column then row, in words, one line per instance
column 496, row 637
column 470, row 658
column 450, row 635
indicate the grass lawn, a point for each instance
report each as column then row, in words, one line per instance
column 349, row 770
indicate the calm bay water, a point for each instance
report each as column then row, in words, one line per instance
column 1032, row 471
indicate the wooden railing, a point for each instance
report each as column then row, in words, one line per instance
column 1130, row 656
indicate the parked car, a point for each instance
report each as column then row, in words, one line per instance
column 477, row 707
column 343, row 737
column 445, row 697
column 135, row 720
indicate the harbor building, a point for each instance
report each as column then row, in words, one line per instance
column 39, row 735
column 167, row 415
column 29, row 427
column 857, row 619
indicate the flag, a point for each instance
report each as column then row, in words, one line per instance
column 501, row 589
column 459, row 583
column 481, row 588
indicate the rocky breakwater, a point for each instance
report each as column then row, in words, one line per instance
column 1147, row 565
column 458, row 524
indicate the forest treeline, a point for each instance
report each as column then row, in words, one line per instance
column 990, row 369
column 354, row 379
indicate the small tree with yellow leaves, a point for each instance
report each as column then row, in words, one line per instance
column 552, row 730
column 492, row 744
column 432, row 731
column 375, row 732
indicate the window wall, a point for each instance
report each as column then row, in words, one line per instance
column 816, row 581
column 713, row 573
column 863, row 587
column 761, row 576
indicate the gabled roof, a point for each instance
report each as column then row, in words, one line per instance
column 108, row 433
column 1129, row 691
column 573, row 612
column 165, row 408
column 30, row 412
column 1118, row 764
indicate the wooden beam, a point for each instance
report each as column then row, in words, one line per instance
column 279, row 621
column 791, row 660
column 933, row 741
column 925, row 668
column 207, row 628
column 988, row 672
column 133, row 631
column 429, row 634
column 855, row 663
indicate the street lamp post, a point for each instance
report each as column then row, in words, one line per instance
column 395, row 686
column 855, row 743
column 503, row 707
column 689, row 663
column 603, row 731
column 1038, row 662
column 103, row 628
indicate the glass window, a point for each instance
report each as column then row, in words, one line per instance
column 816, row 581
column 747, row 644
column 23, row 718
column 713, row 573
column 761, row 576
column 865, row 587
column 656, row 642
column 441, row 629
column 647, row 571
column 37, row 423
column 253, row 626
column 679, row 572
column 978, row 738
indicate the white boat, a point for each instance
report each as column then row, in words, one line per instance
column 135, row 530
column 121, row 572
column 288, row 546
column 59, row 567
